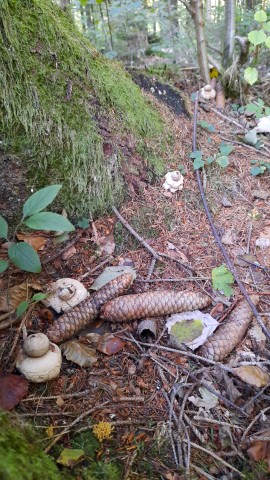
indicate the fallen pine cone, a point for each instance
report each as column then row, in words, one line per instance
column 152, row 304
column 87, row 311
column 228, row 335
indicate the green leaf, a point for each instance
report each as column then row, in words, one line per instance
column 267, row 42
column 22, row 307
column 3, row 228
column 40, row 199
column 206, row 125
column 266, row 26
column 225, row 148
column 221, row 280
column 49, row 221
column 251, row 137
column 258, row 170
column 210, row 160
column 197, row 155
column 252, row 108
column 251, row 75
column 24, row 257
column 3, row 265
column 198, row 163
column 39, row 296
column 267, row 111
column 260, row 16
column 257, row 37
column 84, row 223
column 70, row 456
column 222, row 161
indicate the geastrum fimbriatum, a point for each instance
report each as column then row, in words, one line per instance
column 39, row 360
column 65, row 294
column 207, row 93
column 173, row 181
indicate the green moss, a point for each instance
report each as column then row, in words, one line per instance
column 42, row 54
column 21, row 457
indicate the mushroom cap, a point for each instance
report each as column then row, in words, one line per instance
column 36, row 345
column 173, row 181
column 40, row 369
column 65, row 294
column 207, row 88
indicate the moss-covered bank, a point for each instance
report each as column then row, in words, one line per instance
column 57, row 97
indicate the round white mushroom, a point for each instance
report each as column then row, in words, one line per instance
column 65, row 294
column 207, row 93
column 36, row 365
column 173, row 181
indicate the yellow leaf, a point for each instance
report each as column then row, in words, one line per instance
column 252, row 375
column 50, row 431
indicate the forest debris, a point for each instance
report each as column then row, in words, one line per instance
column 261, row 194
column 147, row 330
column 207, row 400
column 263, row 125
column 79, row 353
column 228, row 237
column 151, row 304
column 65, row 294
column 220, row 97
column 228, row 335
column 12, row 389
column 36, row 242
column 190, row 328
column 111, row 273
column 12, row 297
column 253, row 375
column 173, row 181
column 69, row 252
column 70, row 457
column 207, row 93
column 258, row 338
column 260, row 450
column 110, row 344
column 264, row 240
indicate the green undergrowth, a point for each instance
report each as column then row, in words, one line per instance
column 55, row 92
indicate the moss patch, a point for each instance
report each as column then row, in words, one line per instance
column 55, row 92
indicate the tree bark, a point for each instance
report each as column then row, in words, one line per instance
column 229, row 33
column 197, row 7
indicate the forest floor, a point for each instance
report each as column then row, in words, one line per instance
column 145, row 391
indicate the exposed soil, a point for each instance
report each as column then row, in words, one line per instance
column 149, row 390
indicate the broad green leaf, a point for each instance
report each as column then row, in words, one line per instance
column 22, row 307
column 260, row 16
column 210, row 160
column 267, row 111
column 3, row 228
column 258, row 170
column 260, row 102
column 198, row 163
column 84, row 223
column 70, row 456
column 267, row 42
column 83, row 3
column 221, row 280
column 252, row 108
column 251, row 137
column 222, row 161
column 40, row 199
column 3, row 265
column 24, row 257
column 49, row 221
column 110, row 273
column 197, row 155
column 206, row 125
column 39, row 296
column 257, row 37
column 251, row 75
column 225, row 148
column 266, row 26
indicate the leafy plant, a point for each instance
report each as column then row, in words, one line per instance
column 222, row 278
column 23, row 255
column 258, row 38
column 259, row 167
column 207, row 126
column 23, row 306
column 258, row 108
column 221, row 158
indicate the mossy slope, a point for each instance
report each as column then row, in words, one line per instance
column 55, row 91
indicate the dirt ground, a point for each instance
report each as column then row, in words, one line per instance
column 145, row 392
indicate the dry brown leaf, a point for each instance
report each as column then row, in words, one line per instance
column 107, row 245
column 69, row 253
column 260, row 450
column 37, row 243
column 253, row 375
column 12, row 389
column 11, row 298
column 217, row 310
column 228, row 238
column 79, row 353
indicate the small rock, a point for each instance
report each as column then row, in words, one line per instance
column 261, row 194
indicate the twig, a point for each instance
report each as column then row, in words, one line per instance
column 262, row 412
column 161, row 280
column 77, row 420
column 215, row 422
column 242, row 144
column 55, row 397
column 25, row 317
column 202, row 472
column 252, row 400
column 216, row 235
column 51, row 258
column 130, row 462
column 48, row 414
column 101, row 264
column 151, row 269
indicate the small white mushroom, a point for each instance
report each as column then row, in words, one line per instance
column 36, row 365
column 65, row 294
column 173, row 181
column 207, row 93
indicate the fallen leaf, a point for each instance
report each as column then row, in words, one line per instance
column 228, row 238
column 70, row 457
column 226, row 202
column 60, row 401
column 109, row 344
column 190, row 328
column 217, row 310
column 69, row 253
column 171, row 246
column 262, row 243
column 50, row 431
column 79, row 353
column 208, row 400
column 111, row 273
column 106, row 245
column 258, row 338
column 260, row 450
column 221, row 279
column 253, row 375
column 263, row 125
column 245, row 260
column 12, row 389
column 12, row 297
column 261, row 194
column 37, row 243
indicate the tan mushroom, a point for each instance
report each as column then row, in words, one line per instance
column 207, row 93
column 173, row 181
column 65, row 294
column 39, row 360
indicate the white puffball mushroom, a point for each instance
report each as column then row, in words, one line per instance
column 207, row 93
column 65, row 294
column 39, row 369
column 36, row 345
column 173, row 181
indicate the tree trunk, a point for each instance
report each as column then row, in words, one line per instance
column 229, row 33
column 197, row 6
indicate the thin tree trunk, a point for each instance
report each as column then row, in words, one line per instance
column 229, row 33
column 197, row 6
